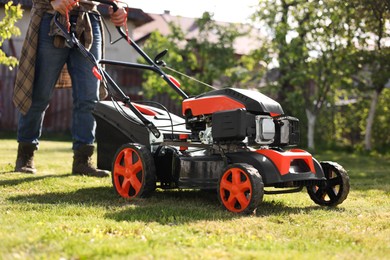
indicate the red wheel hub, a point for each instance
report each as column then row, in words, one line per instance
column 235, row 190
column 128, row 173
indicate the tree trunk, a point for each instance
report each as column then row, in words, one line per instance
column 311, row 122
column 370, row 121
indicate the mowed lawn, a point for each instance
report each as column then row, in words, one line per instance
column 54, row 215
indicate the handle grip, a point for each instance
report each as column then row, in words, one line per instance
column 115, row 8
column 108, row 2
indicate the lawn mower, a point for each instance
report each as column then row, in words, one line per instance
column 236, row 142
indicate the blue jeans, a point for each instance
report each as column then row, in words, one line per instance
column 85, row 87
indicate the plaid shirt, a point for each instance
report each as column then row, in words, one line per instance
column 23, row 88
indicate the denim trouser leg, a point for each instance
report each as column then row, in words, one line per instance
column 49, row 63
column 85, row 88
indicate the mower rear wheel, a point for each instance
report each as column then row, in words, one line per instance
column 336, row 189
column 240, row 188
column 133, row 171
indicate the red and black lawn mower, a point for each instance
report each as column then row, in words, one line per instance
column 234, row 141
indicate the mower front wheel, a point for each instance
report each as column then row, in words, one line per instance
column 336, row 188
column 133, row 171
column 240, row 188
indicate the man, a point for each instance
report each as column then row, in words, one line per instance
column 43, row 56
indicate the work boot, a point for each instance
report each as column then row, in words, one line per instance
column 25, row 158
column 82, row 162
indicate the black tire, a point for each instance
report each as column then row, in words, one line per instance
column 133, row 171
column 336, row 188
column 240, row 188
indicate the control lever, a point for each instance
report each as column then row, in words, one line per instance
column 158, row 57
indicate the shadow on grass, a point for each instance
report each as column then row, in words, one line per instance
column 95, row 196
column 277, row 208
column 172, row 207
column 30, row 178
column 179, row 207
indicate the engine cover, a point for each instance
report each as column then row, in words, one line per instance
column 231, row 99
column 233, row 125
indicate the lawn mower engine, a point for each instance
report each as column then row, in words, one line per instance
column 234, row 116
column 234, row 141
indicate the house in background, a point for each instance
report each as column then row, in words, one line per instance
column 140, row 26
column 243, row 45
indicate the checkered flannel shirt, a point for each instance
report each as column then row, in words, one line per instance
column 23, row 88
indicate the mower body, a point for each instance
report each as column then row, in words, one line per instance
column 218, row 128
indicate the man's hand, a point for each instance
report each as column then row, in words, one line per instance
column 119, row 17
column 63, row 6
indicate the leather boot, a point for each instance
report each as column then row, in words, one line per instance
column 82, row 162
column 25, row 158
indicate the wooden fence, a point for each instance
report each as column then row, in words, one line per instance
column 58, row 116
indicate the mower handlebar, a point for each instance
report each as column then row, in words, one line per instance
column 152, row 63
column 115, row 8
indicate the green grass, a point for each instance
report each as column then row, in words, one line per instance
column 54, row 215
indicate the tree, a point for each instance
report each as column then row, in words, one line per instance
column 8, row 29
column 333, row 68
column 374, row 57
column 310, row 39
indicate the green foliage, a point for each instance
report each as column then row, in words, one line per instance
column 348, row 124
column 381, row 137
column 370, row 61
column 8, row 29
column 328, row 52
column 154, row 84
column 309, row 44
column 55, row 215
column 208, row 57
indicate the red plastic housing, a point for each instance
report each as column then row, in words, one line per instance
column 210, row 104
column 144, row 110
column 283, row 160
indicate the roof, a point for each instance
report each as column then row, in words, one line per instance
column 242, row 45
column 135, row 15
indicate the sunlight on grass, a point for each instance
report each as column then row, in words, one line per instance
column 53, row 215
